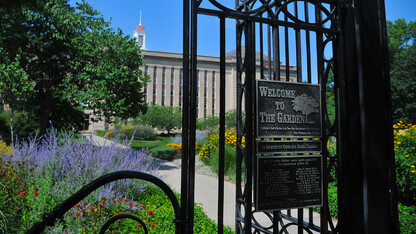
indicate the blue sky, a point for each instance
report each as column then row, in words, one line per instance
column 163, row 21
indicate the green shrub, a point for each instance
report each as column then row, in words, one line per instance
column 164, row 152
column 405, row 151
column 156, row 200
column 4, row 128
column 407, row 219
column 229, row 162
column 24, row 125
column 144, row 133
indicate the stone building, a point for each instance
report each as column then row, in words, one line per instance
column 166, row 79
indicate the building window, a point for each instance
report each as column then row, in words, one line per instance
column 145, row 93
column 181, row 77
column 172, row 76
column 213, row 79
column 197, row 78
column 154, row 75
column 140, row 40
column 146, row 70
column 206, row 79
column 154, row 95
column 164, row 75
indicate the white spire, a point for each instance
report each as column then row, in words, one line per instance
column 140, row 18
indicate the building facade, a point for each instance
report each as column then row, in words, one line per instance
column 166, row 80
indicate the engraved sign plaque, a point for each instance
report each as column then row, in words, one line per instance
column 288, row 110
column 286, row 147
column 287, row 182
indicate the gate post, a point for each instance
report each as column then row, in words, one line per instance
column 367, row 185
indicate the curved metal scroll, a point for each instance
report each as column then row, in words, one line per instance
column 122, row 216
column 59, row 211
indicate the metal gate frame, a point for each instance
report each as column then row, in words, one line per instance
column 363, row 127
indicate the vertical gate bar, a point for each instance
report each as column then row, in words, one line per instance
column 269, row 50
column 261, row 50
column 185, row 117
column 298, row 50
column 192, row 116
column 239, row 153
column 250, row 60
column 276, row 217
column 276, row 53
column 364, row 82
column 320, row 68
column 311, row 216
column 222, row 128
column 300, row 220
column 308, row 46
column 287, row 50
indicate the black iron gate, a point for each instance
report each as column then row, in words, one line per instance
column 340, row 45
column 313, row 42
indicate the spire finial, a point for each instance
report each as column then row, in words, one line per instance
column 140, row 18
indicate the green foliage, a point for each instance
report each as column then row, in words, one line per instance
column 25, row 125
column 4, row 128
column 158, row 202
column 405, row 151
column 139, row 132
column 400, row 35
column 74, row 57
column 231, row 118
column 212, row 123
column 208, row 123
column 229, row 162
column 402, row 55
column 160, row 141
column 164, row 118
column 403, row 86
column 332, row 201
column 330, row 97
column 143, row 133
column 407, row 219
column 163, row 152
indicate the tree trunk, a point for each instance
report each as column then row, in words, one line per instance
column 11, row 127
column 45, row 112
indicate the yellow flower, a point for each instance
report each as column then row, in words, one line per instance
column 412, row 166
column 407, row 156
column 413, row 171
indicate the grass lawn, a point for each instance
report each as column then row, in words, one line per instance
column 160, row 141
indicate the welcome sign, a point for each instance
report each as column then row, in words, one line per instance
column 288, row 110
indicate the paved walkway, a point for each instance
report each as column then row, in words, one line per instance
column 206, row 192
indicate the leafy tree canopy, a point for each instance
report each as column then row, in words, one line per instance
column 165, row 118
column 75, row 59
column 402, row 54
column 403, row 86
column 401, row 36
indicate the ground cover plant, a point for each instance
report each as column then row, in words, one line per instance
column 405, row 160
column 37, row 177
column 208, row 152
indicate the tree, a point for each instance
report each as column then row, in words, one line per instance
column 400, row 36
column 165, row 118
column 403, row 86
column 15, row 89
column 75, row 59
column 402, row 54
column 306, row 105
column 208, row 123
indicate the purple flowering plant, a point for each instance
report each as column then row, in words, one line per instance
column 60, row 164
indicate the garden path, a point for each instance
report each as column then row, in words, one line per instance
column 206, row 194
